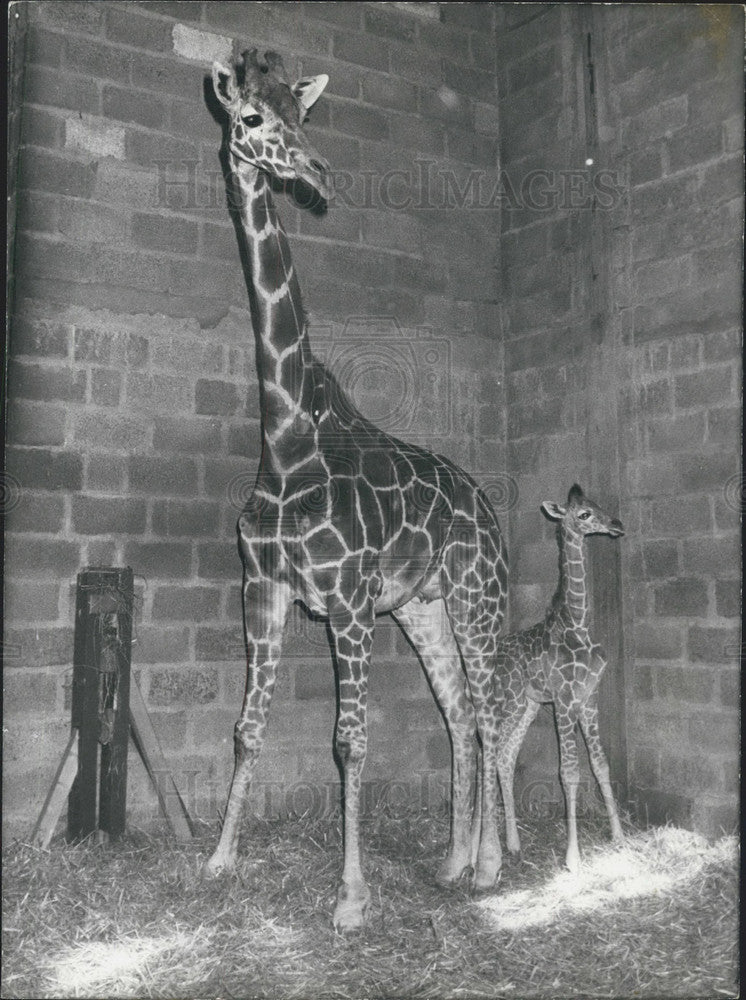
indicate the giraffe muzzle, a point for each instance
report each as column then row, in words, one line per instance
column 315, row 171
column 616, row 528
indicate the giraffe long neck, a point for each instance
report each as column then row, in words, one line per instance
column 572, row 592
column 283, row 349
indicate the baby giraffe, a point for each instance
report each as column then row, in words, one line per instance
column 557, row 661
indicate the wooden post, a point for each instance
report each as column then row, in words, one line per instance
column 100, row 701
column 117, row 656
column 102, row 714
column 146, row 740
column 55, row 800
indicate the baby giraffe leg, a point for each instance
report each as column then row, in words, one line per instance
column 570, row 774
column 589, row 726
column 513, row 730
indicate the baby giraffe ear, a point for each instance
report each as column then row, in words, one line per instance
column 553, row 510
column 310, row 89
column 224, row 84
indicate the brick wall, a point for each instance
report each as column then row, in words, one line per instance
column 682, row 143
column 622, row 347
column 496, row 316
column 133, row 430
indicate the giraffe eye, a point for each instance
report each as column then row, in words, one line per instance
column 317, row 405
column 252, row 121
column 584, row 515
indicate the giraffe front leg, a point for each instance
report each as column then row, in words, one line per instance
column 589, row 727
column 248, row 741
column 353, row 640
column 570, row 774
column 265, row 609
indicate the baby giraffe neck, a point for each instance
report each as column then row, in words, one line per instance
column 572, row 590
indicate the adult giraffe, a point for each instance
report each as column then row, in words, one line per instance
column 349, row 520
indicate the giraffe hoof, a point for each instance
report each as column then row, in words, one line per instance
column 572, row 864
column 449, row 874
column 217, row 865
column 487, row 871
column 481, row 884
column 351, row 911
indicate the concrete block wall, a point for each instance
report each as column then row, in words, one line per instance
column 680, row 290
column 542, row 323
column 133, row 429
column 621, row 300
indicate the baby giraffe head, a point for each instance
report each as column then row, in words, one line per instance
column 265, row 116
column 582, row 516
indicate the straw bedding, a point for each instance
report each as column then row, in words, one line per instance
column 654, row 917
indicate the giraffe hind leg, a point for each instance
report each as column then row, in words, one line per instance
column 475, row 620
column 513, row 728
column 599, row 764
column 570, row 774
column 429, row 629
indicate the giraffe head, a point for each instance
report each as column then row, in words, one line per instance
column 265, row 116
column 582, row 516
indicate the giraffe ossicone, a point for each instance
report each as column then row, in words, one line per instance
column 337, row 520
column 557, row 661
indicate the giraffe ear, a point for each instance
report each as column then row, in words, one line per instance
column 224, row 84
column 310, row 89
column 553, row 511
